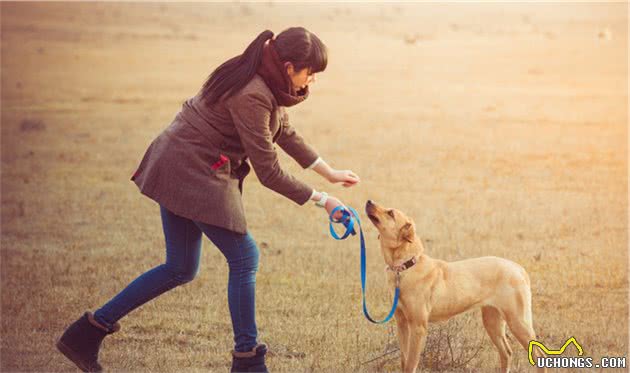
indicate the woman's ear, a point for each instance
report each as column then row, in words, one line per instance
column 289, row 67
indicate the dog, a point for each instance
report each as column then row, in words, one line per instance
column 435, row 290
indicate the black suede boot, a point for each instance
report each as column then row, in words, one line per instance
column 81, row 341
column 252, row 361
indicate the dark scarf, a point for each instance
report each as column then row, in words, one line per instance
column 274, row 73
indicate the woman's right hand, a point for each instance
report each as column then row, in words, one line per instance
column 331, row 204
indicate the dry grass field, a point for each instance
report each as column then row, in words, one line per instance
column 500, row 128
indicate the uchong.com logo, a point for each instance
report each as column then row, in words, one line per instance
column 579, row 361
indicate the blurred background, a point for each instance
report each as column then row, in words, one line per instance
column 500, row 128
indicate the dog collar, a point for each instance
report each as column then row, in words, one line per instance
column 406, row 265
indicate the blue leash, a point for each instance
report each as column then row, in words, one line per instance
column 348, row 220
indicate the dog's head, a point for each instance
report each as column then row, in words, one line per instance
column 394, row 227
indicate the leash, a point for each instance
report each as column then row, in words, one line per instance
column 349, row 220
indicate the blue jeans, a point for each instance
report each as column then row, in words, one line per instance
column 183, row 249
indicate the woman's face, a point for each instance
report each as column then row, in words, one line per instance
column 300, row 79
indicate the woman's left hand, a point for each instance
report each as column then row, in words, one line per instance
column 347, row 177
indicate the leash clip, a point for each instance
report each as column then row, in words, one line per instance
column 397, row 279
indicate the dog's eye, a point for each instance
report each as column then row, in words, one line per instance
column 391, row 213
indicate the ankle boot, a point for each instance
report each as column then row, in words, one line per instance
column 252, row 361
column 81, row 341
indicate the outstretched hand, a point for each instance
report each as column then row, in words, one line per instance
column 347, row 177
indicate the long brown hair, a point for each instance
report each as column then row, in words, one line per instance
column 296, row 45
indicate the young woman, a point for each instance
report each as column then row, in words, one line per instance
column 195, row 170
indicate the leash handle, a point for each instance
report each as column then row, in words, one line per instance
column 348, row 220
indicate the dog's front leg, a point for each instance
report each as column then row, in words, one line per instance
column 403, row 336
column 417, row 340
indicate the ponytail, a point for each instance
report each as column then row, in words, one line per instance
column 236, row 72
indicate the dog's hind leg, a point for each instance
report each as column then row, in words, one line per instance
column 524, row 333
column 403, row 336
column 495, row 326
column 519, row 320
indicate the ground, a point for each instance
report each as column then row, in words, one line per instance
column 501, row 129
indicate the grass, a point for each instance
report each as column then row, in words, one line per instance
column 502, row 135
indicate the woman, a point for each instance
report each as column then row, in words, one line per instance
column 195, row 170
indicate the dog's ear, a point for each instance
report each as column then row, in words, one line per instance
column 407, row 232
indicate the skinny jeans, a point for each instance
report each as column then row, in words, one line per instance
column 183, row 251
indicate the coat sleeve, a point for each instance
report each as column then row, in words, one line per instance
column 251, row 113
column 294, row 145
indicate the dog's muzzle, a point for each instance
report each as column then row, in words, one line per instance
column 369, row 210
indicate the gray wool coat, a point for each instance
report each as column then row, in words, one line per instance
column 196, row 166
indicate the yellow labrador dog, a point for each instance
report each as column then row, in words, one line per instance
column 435, row 290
